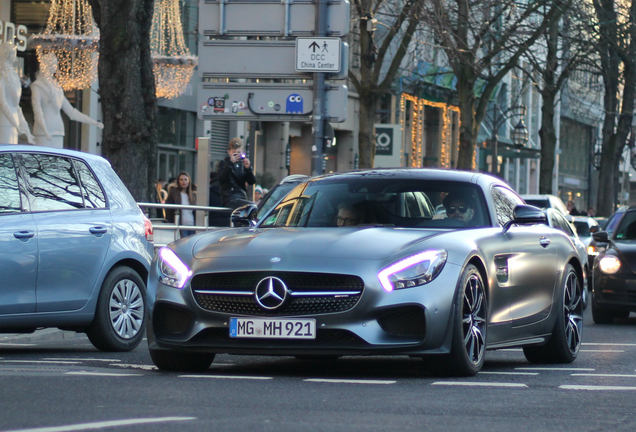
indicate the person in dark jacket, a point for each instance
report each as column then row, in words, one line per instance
column 182, row 193
column 234, row 172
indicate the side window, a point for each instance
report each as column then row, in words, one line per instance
column 505, row 203
column 9, row 190
column 53, row 182
column 93, row 194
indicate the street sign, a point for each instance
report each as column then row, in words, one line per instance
column 318, row 54
column 270, row 18
column 267, row 102
column 248, row 59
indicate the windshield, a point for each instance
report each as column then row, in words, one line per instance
column 541, row 203
column 582, row 228
column 358, row 201
column 626, row 230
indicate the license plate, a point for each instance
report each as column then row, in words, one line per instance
column 273, row 328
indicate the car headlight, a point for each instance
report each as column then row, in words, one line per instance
column 413, row 271
column 172, row 271
column 609, row 264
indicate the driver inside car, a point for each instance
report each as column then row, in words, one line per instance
column 458, row 206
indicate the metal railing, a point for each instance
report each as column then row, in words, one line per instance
column 173, row 230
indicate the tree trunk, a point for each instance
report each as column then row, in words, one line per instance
column 469, row 126
column 366, row 130
column 548, row 137
column 127, row 92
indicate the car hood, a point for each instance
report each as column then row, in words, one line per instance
column 346, row 243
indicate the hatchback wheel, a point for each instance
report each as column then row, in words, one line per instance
column 565, row 342
column 174, row 361
column 120, row 317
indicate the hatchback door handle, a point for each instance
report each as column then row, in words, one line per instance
column 23, row 234
column 98, row 230
column 544, row 241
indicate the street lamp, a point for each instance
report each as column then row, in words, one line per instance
column 519, row 134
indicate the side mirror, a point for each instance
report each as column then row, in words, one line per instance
column 244, row 216
column 600, row 236
column 526, row 215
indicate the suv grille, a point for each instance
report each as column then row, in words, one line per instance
column 308, row 293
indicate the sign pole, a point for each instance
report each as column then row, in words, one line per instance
column 317, row 148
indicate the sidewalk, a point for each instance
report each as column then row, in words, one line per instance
column 44, row 335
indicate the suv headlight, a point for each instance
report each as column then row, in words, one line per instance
column 413, row 271
column 609, row 264
column 172, row 271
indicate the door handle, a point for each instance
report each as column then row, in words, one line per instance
column 98, row 230
column 24, row 234
column 544, row 241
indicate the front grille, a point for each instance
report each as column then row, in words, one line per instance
column 309, row 293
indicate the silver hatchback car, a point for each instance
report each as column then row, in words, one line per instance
column 75, row 248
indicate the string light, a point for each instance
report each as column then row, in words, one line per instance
column 447, row 144
column 172, row 63
column 72, row 35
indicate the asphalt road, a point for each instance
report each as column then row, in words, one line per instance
column 56, row 381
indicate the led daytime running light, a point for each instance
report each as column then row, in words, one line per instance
column 399, row 266
column 167, row 258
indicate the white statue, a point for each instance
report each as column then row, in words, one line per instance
column 12, row 122
column 48, row 99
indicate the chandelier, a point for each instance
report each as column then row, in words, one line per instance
column 172, row 63
column 72, row 35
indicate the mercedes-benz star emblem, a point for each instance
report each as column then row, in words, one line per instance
column 270, row 293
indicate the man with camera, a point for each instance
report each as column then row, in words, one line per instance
column 235, row 171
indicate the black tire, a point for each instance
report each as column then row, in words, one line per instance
column 470, row 326
column 565, row 341
column 120, row 316
column 173, row 361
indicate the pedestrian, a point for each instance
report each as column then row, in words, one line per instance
column 572, row 208
column 182, row 193
column 591, row 211
column 258, row 194
column 235, row 171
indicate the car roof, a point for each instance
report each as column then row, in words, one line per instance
column 415, row 173
column 4, row 148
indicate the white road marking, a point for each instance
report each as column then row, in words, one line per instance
column 16, row 344
column 477, row 384
column 605, row 375
column 86, row 359
column 509, row 373
column 349, row 381
column 87, row 373
column 105, row 424
column 227, row 377
column 136, row 366
column 41, row 361
column 602, row 351
column 608, row 344
column 555, row 369
column 591, row 387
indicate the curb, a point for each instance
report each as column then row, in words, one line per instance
column 44, row 335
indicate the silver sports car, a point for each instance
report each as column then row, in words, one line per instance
column 360, row 263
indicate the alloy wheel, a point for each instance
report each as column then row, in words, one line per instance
column 474, row 319
column 572, row 312
column 126, row 308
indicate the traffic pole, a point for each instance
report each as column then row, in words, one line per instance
column 317, row 149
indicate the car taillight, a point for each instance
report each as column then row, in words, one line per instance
column 148, row 230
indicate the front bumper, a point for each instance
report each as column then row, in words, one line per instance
column 407, row 321
column 618, row 290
